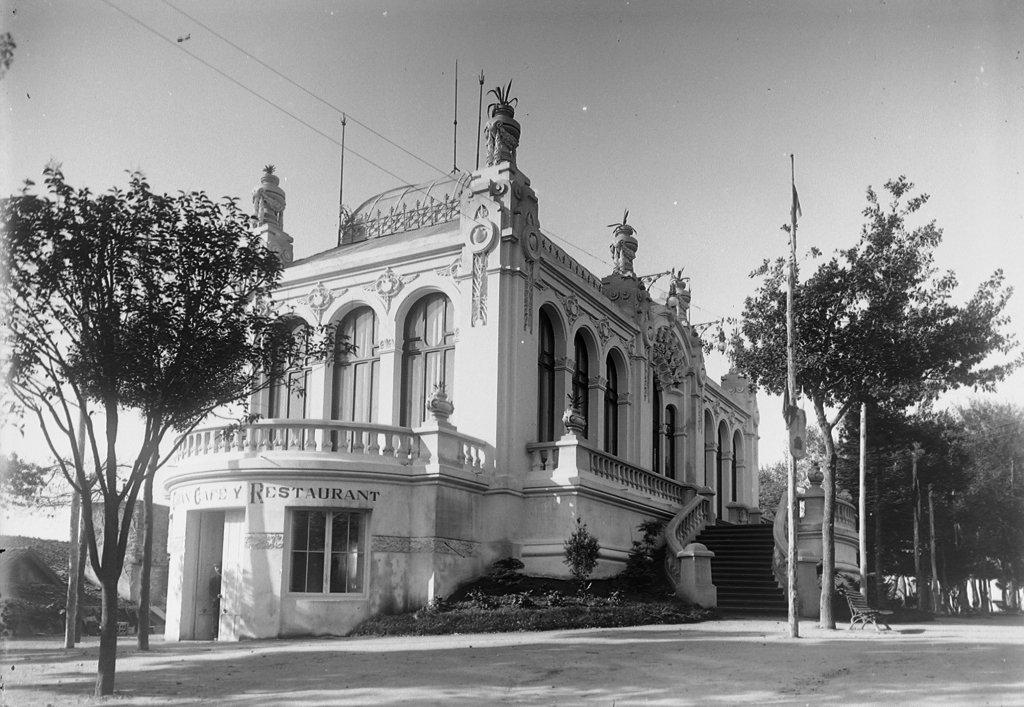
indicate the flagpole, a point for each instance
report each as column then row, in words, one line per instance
column 793, row 515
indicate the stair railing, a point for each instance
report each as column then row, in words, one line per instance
column 780, row 531
column 684, row 527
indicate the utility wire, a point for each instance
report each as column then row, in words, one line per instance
column 299, row 86
column 330, row 105
column 246, row 88
column 403, row 182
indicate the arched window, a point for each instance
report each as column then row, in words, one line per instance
column 656, row 430
column 546, row 380
column 737, row 456
column 670, row 442
column 611, row 408
column 428, row 355
column 581, row 381
column 356, row 372
column 288, row 394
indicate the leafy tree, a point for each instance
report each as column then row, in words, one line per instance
column 875, row 322
column 581, row 550
column 772, row 479
column 985, row 512
column 130, row 300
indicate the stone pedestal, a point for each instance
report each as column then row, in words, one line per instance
column 695, row 576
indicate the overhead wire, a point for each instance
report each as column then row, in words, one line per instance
column 404, row 182
column 300, row 86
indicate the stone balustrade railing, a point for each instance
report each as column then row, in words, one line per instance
column 846, row 514
column 543, row 456
column 617, row 471
column 324, row 436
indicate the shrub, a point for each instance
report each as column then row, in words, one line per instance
column 581, row 551
column 642, row 569
column 506, row 571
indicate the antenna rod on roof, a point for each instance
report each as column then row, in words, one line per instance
column 479, row 117
column 341, row 185
column 455, row 141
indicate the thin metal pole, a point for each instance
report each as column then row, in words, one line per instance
column 862, row 501
column 341, row 183
column 479, row 118
column 455, row 139
column 791, row 600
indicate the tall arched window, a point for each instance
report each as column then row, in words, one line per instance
column 670, row 442
column 581, row 381
column 288, row 394
column 428, row 355
column 356, row 372
column 737, row 457
column 611, row 408
column 546, row 380
column 656, row 430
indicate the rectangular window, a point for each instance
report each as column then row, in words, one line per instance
column 327, row 552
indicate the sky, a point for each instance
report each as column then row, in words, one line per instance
column 685, row 113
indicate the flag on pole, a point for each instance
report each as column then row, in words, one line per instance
column 797, row 211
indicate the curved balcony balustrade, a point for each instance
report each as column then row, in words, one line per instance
column 335, row 438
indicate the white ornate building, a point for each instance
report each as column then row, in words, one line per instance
column 368, row 488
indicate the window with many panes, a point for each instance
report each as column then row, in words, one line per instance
column 288, row 397
column 428, row 355
column 356, row 368
column 327, row 552
column 611, row 408
column 546, row 380
column 581, row 380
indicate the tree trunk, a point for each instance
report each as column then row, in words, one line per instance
column 934, row 589
column 881, row 596
column 108, row 634
column 828, row 536
column 918, row 574
column 108, row 573
column 83, row 556
column 147, row 556
column 74, row 557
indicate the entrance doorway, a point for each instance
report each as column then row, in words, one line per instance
column 208, row 573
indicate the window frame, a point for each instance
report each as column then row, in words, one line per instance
column 414, row 354
column 362, row 553
column 344, row 409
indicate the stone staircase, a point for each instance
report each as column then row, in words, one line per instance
column 741, row 569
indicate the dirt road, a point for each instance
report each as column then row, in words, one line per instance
column 950, row 662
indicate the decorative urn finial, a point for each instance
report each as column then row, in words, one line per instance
column 573, row 418
column 502, row 130
column 268, row 199
column 623, row 247
column 815, row 475
column 438, row 405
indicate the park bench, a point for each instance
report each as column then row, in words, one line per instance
column 861, row 613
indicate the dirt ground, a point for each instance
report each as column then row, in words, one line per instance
column 736, row 661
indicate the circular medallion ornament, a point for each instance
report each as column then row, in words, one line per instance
column 483, row 237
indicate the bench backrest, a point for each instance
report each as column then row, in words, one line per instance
column 857, row 601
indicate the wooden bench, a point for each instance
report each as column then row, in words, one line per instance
column 861, row 613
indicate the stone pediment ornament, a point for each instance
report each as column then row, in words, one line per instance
column 319, row 299
column 452, row 269
column 604, row 330
column 571, row 305
column 388, row 285
column 667, row 355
